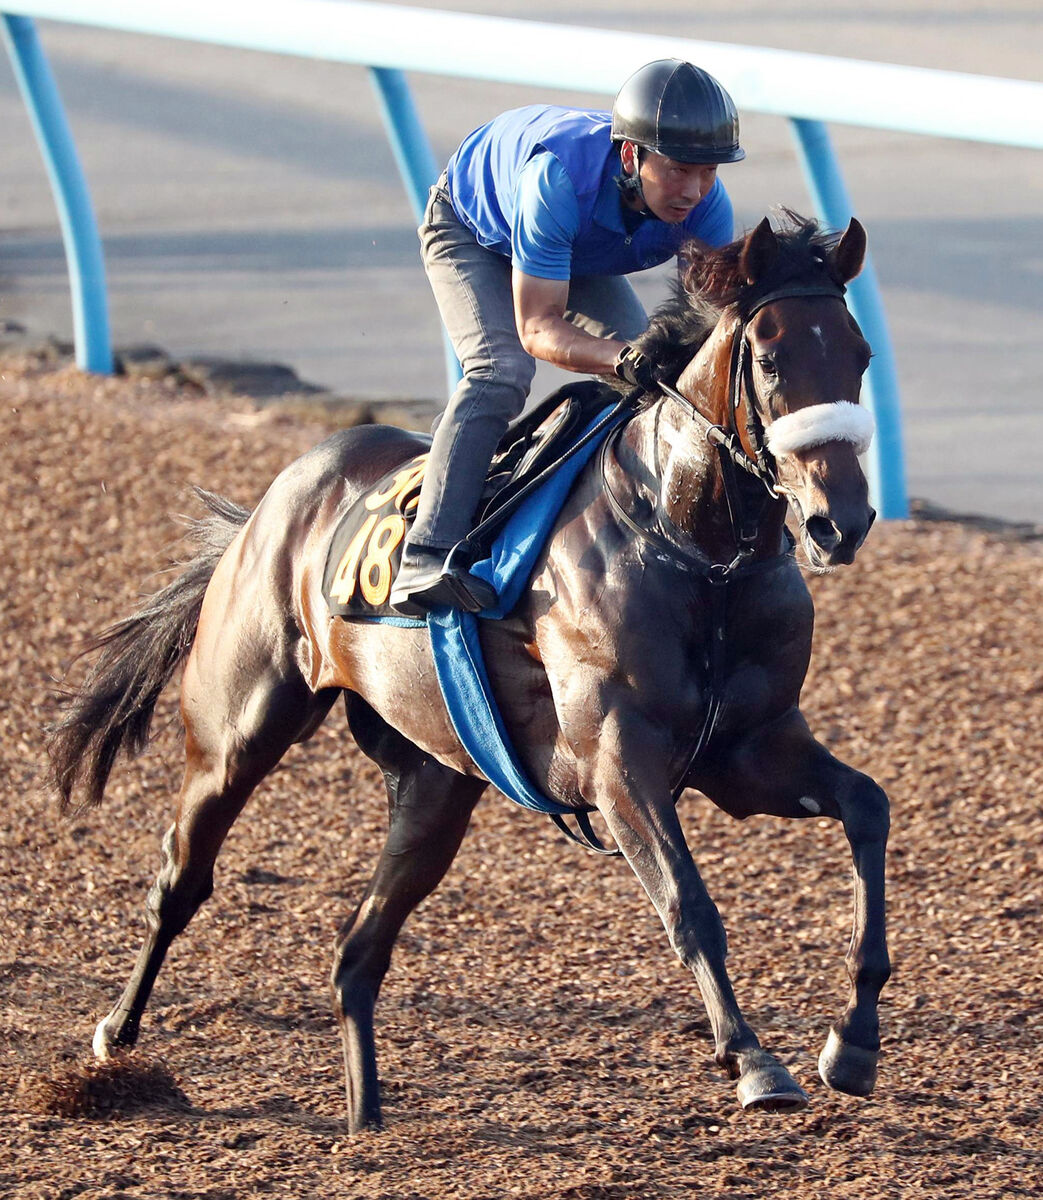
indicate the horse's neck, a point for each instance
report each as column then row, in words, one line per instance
column 676, row 468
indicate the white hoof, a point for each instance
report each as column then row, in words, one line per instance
column 100, row 1044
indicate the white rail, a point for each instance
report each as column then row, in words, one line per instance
column 788, row 83
column 809, row 89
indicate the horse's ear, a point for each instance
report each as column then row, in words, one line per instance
column 758, row 253
column 850, row 253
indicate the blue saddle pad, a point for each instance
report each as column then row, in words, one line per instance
column 454, row 635
column 363, row 557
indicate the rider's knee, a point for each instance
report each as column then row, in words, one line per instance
column 503, row 382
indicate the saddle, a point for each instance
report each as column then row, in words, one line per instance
column 538, row 439
column 366, row 548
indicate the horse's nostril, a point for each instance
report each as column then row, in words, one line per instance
column 823, row 532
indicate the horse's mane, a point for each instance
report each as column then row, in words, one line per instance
column 710, row 281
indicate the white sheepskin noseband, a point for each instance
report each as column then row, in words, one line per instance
column 818, row 424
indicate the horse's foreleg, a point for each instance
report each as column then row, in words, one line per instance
column 784, row 771
column 849, row 1059
column 646, row 828
column 429, row 810
column 226, row 757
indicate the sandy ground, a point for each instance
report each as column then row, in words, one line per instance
column 538, row 1038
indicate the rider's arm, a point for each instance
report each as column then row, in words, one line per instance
column 544, row 225
column 539, row 310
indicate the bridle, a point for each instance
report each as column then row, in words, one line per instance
column 733, row 457
column 727, row 442
column 731, row 453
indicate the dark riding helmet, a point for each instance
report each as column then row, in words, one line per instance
column 679, row 111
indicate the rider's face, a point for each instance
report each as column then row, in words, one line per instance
column 672, row 189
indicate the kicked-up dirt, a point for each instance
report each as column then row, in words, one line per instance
column 538, row 1039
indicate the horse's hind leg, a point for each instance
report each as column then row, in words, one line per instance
column 429, row 810
column 235, row 733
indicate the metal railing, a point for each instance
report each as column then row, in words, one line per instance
column 809, row 89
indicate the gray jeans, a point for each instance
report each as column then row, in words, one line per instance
column 472, row 286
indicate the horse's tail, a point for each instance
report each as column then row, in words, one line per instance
column 113, row 706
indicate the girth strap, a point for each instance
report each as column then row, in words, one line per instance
column 715, row 664
column 586, row 837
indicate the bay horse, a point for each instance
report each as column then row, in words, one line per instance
column 662, row 643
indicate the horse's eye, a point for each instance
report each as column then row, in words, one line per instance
column 768, row 367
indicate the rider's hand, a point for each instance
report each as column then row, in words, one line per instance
column 634, row 368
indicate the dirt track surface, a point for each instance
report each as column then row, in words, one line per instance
column 537, row 1036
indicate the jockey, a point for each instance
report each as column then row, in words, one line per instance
column 526, row 241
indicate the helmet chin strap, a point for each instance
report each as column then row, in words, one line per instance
column 630, row 185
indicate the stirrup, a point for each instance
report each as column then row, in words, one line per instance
column 447, row 585
column 472, row 594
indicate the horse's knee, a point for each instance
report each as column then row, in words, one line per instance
column 865, row 811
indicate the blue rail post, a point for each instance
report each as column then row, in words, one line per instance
column 83, row 253
column 416, row 163
column 830, row 196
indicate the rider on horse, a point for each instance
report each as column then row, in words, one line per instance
column 526, row 239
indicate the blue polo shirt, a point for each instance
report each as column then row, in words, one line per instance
column 538, row 185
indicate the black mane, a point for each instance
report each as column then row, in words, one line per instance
column 710, row 281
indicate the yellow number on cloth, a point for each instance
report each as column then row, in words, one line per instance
column 343, row 586
column 410, row 474
column 382, row 545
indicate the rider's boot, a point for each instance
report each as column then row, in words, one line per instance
column 430, row 579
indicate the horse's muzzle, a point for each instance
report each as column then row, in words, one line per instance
column 836, row 540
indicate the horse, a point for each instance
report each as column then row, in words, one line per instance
column 661, row 644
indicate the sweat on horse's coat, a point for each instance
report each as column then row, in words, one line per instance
column 819, row 424
column 457, row 648
column 605, row 671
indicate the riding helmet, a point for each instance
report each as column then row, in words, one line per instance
column 680, row 111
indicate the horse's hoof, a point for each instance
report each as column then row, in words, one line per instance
column 847, row 1068
column 768, row 1086
column 102, row 1043
column 109, row 1039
